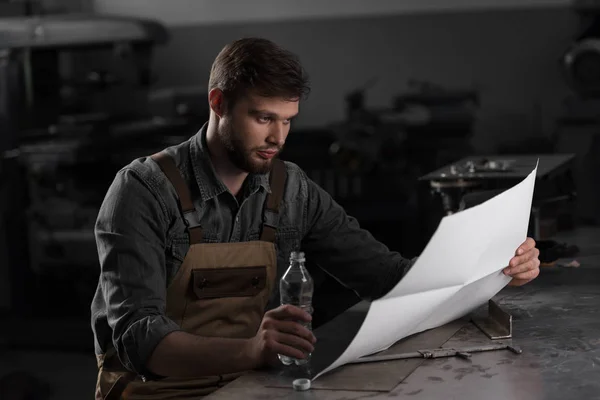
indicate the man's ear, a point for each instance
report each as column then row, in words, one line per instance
column 216, row 101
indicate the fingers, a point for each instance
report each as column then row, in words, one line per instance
column 291, row 327
column 279, row 348
column 524, row 268
column 524, row 278
column 295, row 328
column 289, row 312
column 294, row 341
column 523, row 263
column 527, row 276
column 280, row 342
column 284, row 333
column 530, row 254
column 527, row 245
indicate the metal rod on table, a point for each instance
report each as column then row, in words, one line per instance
column 437, row 353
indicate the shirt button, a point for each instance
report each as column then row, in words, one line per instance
column 237, row 219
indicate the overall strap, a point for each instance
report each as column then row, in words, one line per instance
column 191, row 220
column 271, row 209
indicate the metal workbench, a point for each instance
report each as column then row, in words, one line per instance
column 556, row 323
column 518, row 168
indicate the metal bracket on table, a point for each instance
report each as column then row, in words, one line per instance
column 498, row 323
column 464, row 352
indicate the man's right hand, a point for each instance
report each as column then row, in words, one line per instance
column 281, row 332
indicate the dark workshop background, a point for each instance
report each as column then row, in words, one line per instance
column 399, row 89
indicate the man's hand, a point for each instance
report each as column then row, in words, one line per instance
column 280, row 333
column 525, row 265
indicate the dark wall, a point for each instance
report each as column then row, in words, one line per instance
column 512, row 55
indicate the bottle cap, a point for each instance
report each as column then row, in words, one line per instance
column 297, row 256
column 301, row 384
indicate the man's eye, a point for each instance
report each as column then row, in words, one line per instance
column 264, row 120
column 287, row 121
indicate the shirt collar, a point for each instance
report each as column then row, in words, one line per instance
column 209, row 183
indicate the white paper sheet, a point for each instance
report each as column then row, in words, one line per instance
column 459, row 270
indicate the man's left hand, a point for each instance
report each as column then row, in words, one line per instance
column 525, row 265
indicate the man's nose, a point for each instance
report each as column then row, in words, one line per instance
column 277, row 134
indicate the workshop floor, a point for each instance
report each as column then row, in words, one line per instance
column 72, row 375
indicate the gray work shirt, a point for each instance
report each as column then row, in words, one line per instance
column 142, row 241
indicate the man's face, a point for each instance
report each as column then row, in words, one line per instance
column 254, row 130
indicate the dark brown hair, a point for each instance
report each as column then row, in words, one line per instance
column 260, row 65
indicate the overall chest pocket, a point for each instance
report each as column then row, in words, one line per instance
column 225, row 289
column 212, row 283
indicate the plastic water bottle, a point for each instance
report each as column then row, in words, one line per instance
column 296, row 288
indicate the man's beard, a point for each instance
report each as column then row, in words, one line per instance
column 241, row 157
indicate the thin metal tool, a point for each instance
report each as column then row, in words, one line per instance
column 440, row 352
column 498, row 323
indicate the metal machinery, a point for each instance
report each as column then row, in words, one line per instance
column 473, row 179
column 76, row 104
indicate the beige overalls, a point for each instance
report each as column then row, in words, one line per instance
column 220, row 290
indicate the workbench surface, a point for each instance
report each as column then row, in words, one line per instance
column 556, row 322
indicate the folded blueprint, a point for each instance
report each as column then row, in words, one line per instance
column 459, row 270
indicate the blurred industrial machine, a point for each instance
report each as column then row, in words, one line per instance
column 578, row 128
column 428, row 119
column 77, row 103
column 370, row 161
column 567, row 190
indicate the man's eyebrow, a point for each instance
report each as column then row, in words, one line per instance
column 254, row 111
column 269, row 114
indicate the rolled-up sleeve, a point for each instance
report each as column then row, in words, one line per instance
column 336, row 242
column 130, row 234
